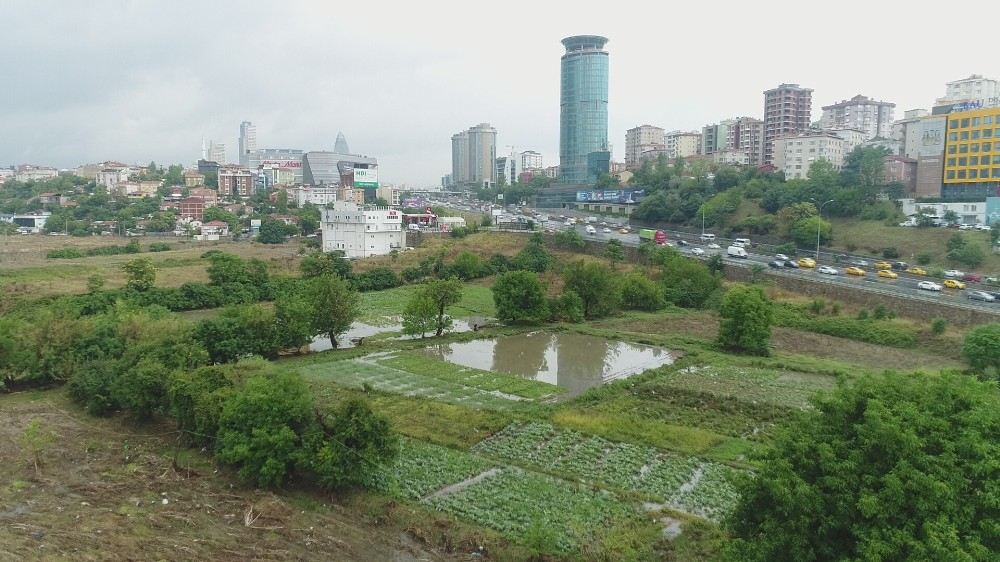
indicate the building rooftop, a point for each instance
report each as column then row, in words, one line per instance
column 584, row 43
column 858, row 100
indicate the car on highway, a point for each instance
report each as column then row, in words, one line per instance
column 954, row 274
column 697, row 252
column 683, row 243
column 888, row 274
column 827, row 270
column 855, row 270
column 928, row 286
column 713, row 246
column 623, row 231
column 883, row 265
column 972, row 278
column 916, row 271
column 900, row 265
column 776, row 264
column 606, row 230
column 591, row 230
column 737, row 252
column 981, row 296
column 791, row 265
column 859, row 263
column 781, row 257
column 954, row 284
column 807, row 262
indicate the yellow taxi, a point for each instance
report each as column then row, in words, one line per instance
column 880, row 265
column 917, row 271
column 887, row 274
column 854, row 271
column 807, row 262
column 953, row 284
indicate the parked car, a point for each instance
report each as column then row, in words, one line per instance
column 916, row 271
column 855, row 270
column 888, row 274
column 807, row 262
column 954, row 284
column 981, row 296
column 983, row 227
column 827, row 270
column 954, row 274
column 928, row 286
column 883, row 265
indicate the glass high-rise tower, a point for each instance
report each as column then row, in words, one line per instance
column 583, row 110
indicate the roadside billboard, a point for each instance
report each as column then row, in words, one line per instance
column 610, row 196
column 366, row 178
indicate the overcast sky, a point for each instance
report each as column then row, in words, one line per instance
column 137, row 81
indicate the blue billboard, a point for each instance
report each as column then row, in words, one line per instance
column 610, row 196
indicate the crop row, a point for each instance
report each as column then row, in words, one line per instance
column 684, row 483
column 779, row 388
column 424, row 365
column 422, row 468
column 531, row 507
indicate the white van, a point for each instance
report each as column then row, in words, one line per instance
column 742, row 242
column 706, row 237
column 591, row 219
column 735, row 251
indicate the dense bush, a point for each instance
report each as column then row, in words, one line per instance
column 568, row 307
column 688, row 283
column 519, row 297
column 641, row 293
column 881, row 333
column 376, row 279
column 596, row 284
column 746, row 320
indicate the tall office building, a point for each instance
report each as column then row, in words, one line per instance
column 787, row 111
column 583, row 110
column 213, row 152
column 248, row 141
column 872, row 117
column 474, row 155
column 640, row 139
column 340, row 145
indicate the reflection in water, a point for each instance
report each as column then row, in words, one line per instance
column 573, row 361
column 362, row 330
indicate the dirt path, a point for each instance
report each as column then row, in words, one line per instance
column 459, row 486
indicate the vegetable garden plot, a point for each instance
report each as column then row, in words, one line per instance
column 356, row 373
column 516, row 503
column 422, row 468
column 685, row 483
column 749, row 384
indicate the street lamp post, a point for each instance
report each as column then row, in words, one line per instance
column 819, row 224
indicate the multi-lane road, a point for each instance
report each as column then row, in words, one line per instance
column 905, row 285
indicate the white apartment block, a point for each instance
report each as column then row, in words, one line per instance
column 111, row 177
column 35, row 174
column 973, row 88
column 360, row 231
column 318, row 195
column 531, row 160
column 682, row 144
column 853, row 138
column 872, row 117
column 640, row 139
column 732, row 157
column 389, row 193
column 795, row 154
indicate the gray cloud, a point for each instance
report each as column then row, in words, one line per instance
column 140, row 81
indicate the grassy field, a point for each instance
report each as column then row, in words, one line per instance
column 872, row 236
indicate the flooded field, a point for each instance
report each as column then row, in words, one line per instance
column 574, row 361
column 362, row 330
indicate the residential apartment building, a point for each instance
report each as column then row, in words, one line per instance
column 360, row 231
column 390, row 194
column 713, row 137
column 681, row 144
column 236, row 182
column 111, row 176
column 531, row 160
column 972, row 90
column 193, row 178
column 191, row 208
column 872, row 117
column 908, row 131
column 473, row 156
column 640, row 139
column 972, row 154
column 902, row 170
column 794, row 154
column 747, row 134
column 853, row 138
column 787, row 111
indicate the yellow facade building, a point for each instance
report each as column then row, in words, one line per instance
column 972, row 153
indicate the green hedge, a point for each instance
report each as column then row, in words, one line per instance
column 870, row 331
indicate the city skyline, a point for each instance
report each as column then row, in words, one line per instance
column 152, row 97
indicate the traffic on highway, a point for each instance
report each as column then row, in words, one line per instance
column 898, row 278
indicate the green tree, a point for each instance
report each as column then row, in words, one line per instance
column 355, row 442
column 274, row 232
column 142, row 389
column 687, row 283
column 570, row 240
column 614, row 251
column 641, row 293
column 950, row 216
column 596, row 284
column 318, row 264
column 804, row 232
column 519, row 297
column 140, row 274
column 262, row 424
column 789, row 216
column 467, row 265
column 334, row 306
column 892, row 467
column 419, row 315
column 746, row 320
column 220, row 214
column 982, row 349
column 443, row 293
column 533, row 257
